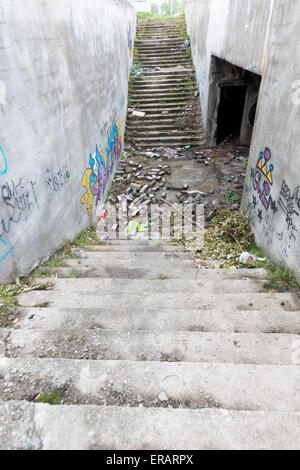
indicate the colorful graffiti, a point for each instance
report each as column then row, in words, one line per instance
column 3, row 162
column 96, row 177
column 5, row 250
column 262, row 180
column 130, row 40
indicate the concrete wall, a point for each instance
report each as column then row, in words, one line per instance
column 262, row 36
column 143, row 6
column 64, row 69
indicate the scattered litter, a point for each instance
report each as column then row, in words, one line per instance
column 83, row 255
column 245, row 257
column 138, row 114
column 104, row 238
column 134, row 227
column 186, row 44
column 162, row 396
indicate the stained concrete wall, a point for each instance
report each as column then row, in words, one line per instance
column 262, row 36
column 142, row 5
column 64, row 69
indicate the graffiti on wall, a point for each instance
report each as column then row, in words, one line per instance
column 5, row 249
column 19, row 200
column 130, row 39
column 262, row 182
column 96, row 177
column 56, row 181
column 289, row 202
column 3, row 162
column 261, row 205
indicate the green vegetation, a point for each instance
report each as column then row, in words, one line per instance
column 162, row 277
column 155, row 16
column 232, row 196
column 54, row 398
column 88, row 237
column 225, row 238
column 8, row 300
column 8, row 293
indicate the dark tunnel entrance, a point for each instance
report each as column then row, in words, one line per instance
column 233, row 101
column 230, row 113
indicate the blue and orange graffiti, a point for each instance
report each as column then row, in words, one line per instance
column 130, row 40
column 96, row 177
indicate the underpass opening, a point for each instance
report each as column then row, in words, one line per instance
column 233, row 101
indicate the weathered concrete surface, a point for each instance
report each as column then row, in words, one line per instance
column 111, row 428
column 186, row 346
column 139, row 286
column 134, row 373
column 227, row 386
column 121, row 270
column 217, row 320
column 159, row 50
column 142, row 302
column 261, row 36
column 64, row 82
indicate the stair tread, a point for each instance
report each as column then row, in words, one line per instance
column 251, row 387
column 162, row 319
column 69, row 427
column 179, row 346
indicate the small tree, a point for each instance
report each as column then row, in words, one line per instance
column 175, row 7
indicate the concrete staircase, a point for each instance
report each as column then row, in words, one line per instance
column 165, row 89
column 150, row 353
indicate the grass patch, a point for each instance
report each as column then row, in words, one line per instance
column 54, row 398
column 152, row 16
column 8, row 300
column 162, row 277
column 225, row 238
column 88, row 237
column 232, row 196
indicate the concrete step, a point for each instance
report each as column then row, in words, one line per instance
column 157, row 76
column 126, row 383
column 158, row 106
column 155, row 127
column 37, row 426
column 174, row 286
column 147, row 96
column 143, row 257
column 217, row 320
column 99, row 344
column 148, row 301
column 153, row 118
column 150, row 133
column 121, row 270
column 162, row 60
column 166, row 65
column 163, row 88
column 171, row 142
column 133, row 249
